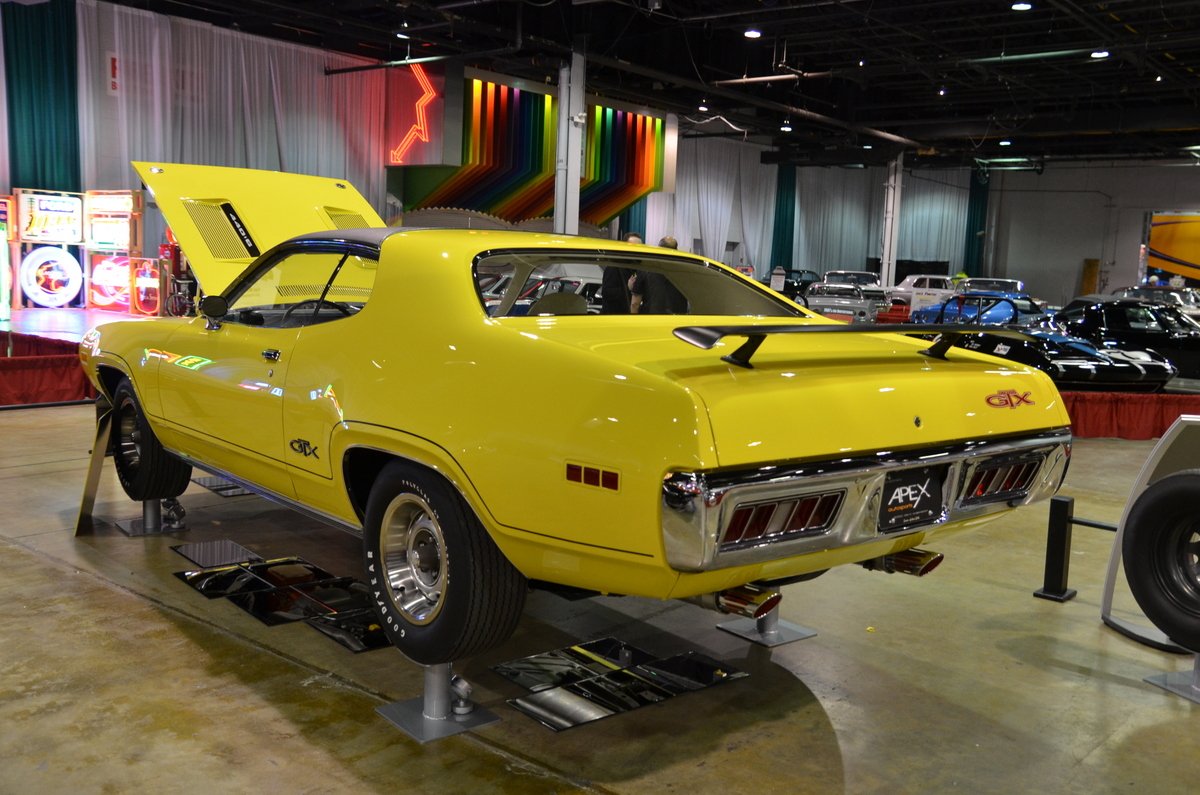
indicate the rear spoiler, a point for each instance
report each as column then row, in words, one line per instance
column 948, row 333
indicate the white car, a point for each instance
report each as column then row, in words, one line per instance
column 922, row 289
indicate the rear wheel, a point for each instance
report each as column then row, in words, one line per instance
column 442, row 588
column 1161, row 551
column 147, row 471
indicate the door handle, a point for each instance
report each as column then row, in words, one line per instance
column 271, row 355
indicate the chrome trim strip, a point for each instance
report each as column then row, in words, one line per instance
column 697, row 506
column 272, row 496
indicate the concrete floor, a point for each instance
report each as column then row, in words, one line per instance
column 115, row 677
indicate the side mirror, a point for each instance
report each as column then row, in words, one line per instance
column 214, row 306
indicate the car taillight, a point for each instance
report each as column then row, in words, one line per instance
column 1000, row 481
column 783, row 518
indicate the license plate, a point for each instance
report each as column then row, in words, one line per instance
column 911, row 497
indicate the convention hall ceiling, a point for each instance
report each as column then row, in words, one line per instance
column 946, row 81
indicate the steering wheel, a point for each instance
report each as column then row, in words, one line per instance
column 315, row 302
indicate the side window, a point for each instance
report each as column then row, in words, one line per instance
column 303, row 288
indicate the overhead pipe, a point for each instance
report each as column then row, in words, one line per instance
column 779, row 107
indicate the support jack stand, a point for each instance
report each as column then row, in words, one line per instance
column 158, row 518
column 768, row 630
column 444, row 710
column 1185, row 684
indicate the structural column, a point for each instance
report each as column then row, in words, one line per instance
column 891, row 221
column 569, row 152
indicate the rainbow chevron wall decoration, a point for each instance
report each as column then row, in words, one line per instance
column 509, row 158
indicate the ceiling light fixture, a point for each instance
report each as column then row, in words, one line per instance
column 1006, row 142
column 703, row 106
column 1158, row 79
column 401, row 34
column 1099, row 54
column 753, row 33
column 867, row 146
column 786, row 126
column 862, row 63
column 942, row 91
column 1022, row 6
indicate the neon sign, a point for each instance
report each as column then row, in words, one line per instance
column 50, row 277
column 51, row 218
column 419, row 131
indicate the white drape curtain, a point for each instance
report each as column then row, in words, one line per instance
column 933, row 216
column 188, row 92
column 756, row 193
column 837, row 212
column 708, row 177
column 660, row 219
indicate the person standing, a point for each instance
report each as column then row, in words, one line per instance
column 614, row 284
column 652, row 293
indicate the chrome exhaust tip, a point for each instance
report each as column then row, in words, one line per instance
column 917, row 562
column 749, row 601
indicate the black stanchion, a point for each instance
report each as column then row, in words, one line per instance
column 1058, row 551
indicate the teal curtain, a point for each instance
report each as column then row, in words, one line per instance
column 633, row 219
column 43, row 111
column 977, row 201
column 783, row 225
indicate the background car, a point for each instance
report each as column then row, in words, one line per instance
column 927, row 288
column 848, row 302
column 996, row 308
column 1075, row 364
column 795, row 282
column 1185, row 298
column 861, row 278
column 1111, row 321
column 977, row 284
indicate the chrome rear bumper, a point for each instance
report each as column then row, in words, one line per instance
column 980, row 477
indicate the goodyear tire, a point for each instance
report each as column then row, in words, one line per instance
column 146, row 470
column 1161, row 551
column 442, row 588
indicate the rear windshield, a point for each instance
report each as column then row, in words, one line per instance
column 591, row 283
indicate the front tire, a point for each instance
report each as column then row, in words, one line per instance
column 442, row 588
column 147, row 471
column 1161, row 551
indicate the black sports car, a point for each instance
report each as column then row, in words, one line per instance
column 1078, row 365
column 1111, row 322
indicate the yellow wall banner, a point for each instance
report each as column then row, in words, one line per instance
column 1174, row 244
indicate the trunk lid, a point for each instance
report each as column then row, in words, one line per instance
column 821, row 395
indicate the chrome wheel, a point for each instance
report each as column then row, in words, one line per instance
column 414, row 558
column 129, row 437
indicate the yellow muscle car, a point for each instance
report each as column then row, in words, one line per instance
column 356, row 373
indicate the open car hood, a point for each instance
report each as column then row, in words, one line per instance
column 224, row 218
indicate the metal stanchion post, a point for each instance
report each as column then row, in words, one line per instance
column 1058, row 551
